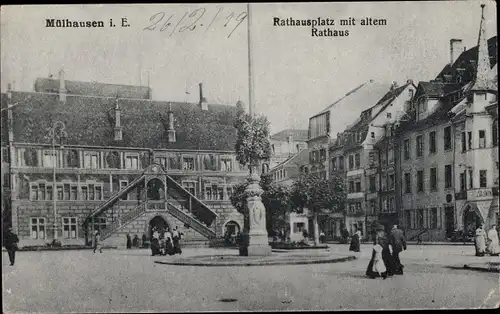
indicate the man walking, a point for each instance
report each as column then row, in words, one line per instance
column 10, row 243
column 398, row 243
column 176, row 237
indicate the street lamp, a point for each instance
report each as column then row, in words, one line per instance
column 57, row 131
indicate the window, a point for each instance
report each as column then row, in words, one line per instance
column 447, row 138
column 351, row 186
column 229, row 191
column 226, row 164
column 50, row 193
column 60, row 194
column 494, row 133
column 482, row 178
column 420, row 181
column 162, row 161
column 447, row 176
column 389, row 115
column 91, row 192
column 433, row 173
column 464, row 142
column 49, row 159
column 34, row 192
column 85, row 193
column 123, row 184
column 392, row 204
column 410, row 93
column 351, row 162
column 69, row 227
column 91, row 160
column 358, row 160
column 420, row 218
column 407, row 149
column 432, row 142
column 390, row 156
column 482, row 139
column 433, row 219
column 38, row 228
column 373, row 184
column 188, row 163
column 407, row 183
column 372, row 134
column 420, row 146
column 462, row 181
column 392, row 182
column 41, row 192
column 334, row 163
column 322, row 154
column 98, row 193
column 210, row 162
column 74, row 193
column 358, row 186
column 371, row 158
column 469, row 135
column 470, row 179
column 341, row 162
column 220, row 193
column 174, row 162
column 190, row 186
column 408, row 219
column 30, row 157
column 131, row 162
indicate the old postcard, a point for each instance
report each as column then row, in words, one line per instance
column 249, row 157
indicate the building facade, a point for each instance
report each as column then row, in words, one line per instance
column 90, row 156
column 447, row 156
column 286, row 144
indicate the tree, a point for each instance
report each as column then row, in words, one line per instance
column 276, row 199
column 252, row 145
column 318, row 195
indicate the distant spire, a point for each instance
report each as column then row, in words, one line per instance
column 483, row 58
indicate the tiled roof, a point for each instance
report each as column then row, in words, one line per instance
column 438, row 89
column 298, row 135
column 49, row 85
column 90, row 121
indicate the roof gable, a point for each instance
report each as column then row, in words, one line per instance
column 298, row 135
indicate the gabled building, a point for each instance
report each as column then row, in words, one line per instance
column 445, row 166
column 286, row 144
column 289, row 170
column 354, row 157
column 125, row 164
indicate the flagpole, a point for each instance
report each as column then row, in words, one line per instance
column 251, row 104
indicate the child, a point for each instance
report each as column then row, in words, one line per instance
column 378, row 263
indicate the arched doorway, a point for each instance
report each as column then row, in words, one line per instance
column 472, row 220
column 158, row 223
column 156, row 190
column 232, row 228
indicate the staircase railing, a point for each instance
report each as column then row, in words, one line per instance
column 123, row 220
column 191, row 221
column 116, row 196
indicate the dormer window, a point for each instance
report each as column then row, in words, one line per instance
column 132, row 162
column 410, row 93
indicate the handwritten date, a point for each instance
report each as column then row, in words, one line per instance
column 195, row 20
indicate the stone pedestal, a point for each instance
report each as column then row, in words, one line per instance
column 258, row 244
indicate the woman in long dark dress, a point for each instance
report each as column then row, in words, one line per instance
column 129, row 241
column 355, row 242
column 390, row 265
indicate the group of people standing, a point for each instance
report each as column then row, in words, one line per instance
column 487, row 243
column 166, row 242
column 135, row 241
column 384, row 261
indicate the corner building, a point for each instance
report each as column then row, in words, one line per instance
column 126, row 164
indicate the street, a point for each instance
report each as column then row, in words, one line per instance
column 130, row 281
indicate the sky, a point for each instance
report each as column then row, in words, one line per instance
column 295, row 75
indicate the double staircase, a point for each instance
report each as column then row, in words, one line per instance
column 180, row 203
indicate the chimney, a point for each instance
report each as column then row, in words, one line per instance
column 456, row 48
column 171, row 127
column 62, row 87
column 118, row 127
column 409, row 81
column 203, row 102
column 394, row 85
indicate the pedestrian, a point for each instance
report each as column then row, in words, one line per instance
column 398, row 243
column 356, row 242
column 129, row 241
column 135, row 242
column 493, row 245
column 97, row 241
column 305, row 234
column 379, row 268
column 382, row 240
column 10, row 242
column 176, row 237
column 480, row 241
column 322, row 237
column 144, row 240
